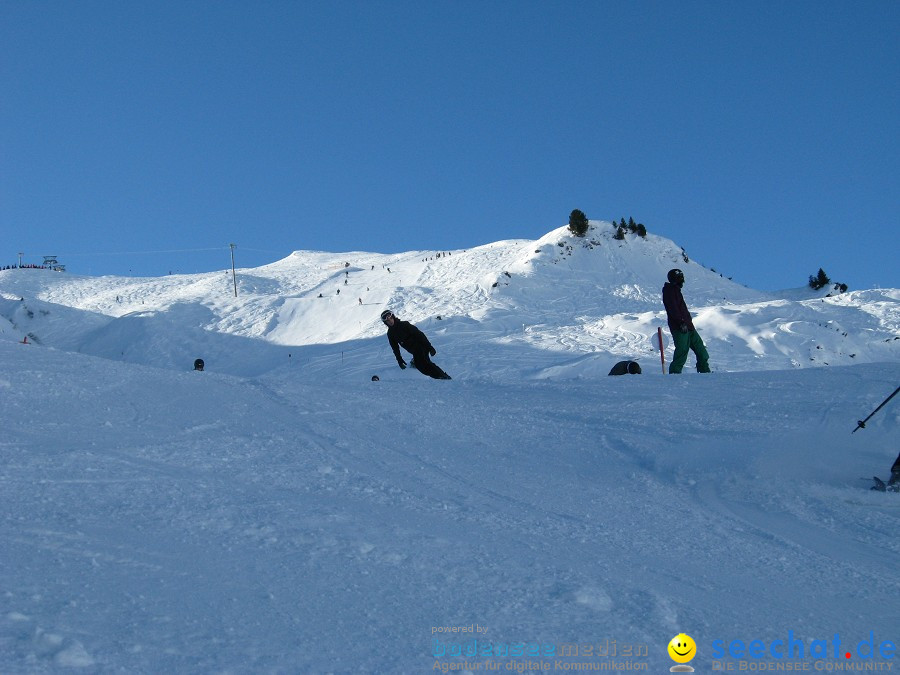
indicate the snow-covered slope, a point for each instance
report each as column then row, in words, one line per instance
column 162, row 521
column 282, row 512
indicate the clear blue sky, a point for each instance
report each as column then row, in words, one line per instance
column 144, row 137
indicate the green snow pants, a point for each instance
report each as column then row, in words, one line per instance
column 688, row 341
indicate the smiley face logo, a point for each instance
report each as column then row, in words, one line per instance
column 682, row 648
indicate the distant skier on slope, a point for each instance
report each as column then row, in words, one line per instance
column 681, row 326
column 404, row 334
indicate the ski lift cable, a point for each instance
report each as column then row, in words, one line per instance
column 161, row 251
column 176, row 250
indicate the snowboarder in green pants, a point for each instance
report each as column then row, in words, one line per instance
column 681, row 326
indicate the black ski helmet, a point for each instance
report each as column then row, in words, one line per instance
column 385, row 314
column 198, row 364
column 676, row 277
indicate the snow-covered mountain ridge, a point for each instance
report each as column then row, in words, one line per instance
column 584, row 301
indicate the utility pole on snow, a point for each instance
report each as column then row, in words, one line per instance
column 233, row 275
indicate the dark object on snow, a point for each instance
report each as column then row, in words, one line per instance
column 626, row 368
column 198, row 364
column 861, row 424
column 404, row 334
column 375, row 378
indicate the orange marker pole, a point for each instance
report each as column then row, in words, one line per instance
column 662, row 352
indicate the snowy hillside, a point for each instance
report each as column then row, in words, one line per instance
column 587, row 301
column 281, row 512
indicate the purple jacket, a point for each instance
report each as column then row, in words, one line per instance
column 676, row 308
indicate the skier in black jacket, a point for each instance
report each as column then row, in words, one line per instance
column 404, row 334
column 681, row 326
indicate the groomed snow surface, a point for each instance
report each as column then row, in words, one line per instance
column 282, row 512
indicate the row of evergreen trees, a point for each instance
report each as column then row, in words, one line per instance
column 631, row 226
column 821, row 280
column 578, row 225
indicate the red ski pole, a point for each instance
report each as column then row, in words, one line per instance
column 662, row 352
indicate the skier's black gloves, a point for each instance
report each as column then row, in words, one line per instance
column 402, row 364
column 684, row 327
column 433, row 351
